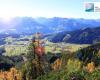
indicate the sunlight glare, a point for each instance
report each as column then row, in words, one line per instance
column 6, row 19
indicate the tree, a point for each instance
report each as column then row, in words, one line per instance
column 33, row 67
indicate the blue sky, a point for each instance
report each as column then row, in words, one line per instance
column 46, row 8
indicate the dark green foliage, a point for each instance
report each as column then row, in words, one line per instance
column 89, row 54
column 29, row 71
column 5, row 63
column 2, row 50
column 65, row 58
column 34, row 66
column 17, row 61
column 93, row 76
column 86, row 36
column 64, row 75
column 5, row 66
column 31, row 54
column 76, row 76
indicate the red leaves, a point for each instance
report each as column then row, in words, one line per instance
column 39, row 50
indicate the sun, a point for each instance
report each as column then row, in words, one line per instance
column 6, row 19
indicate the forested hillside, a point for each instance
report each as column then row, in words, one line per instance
column 85, row 36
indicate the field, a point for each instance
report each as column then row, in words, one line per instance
column 15, row 50
column 21, row 47
column 60, row 47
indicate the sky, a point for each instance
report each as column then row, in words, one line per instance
column 46, row 8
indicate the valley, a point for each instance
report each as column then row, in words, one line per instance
column 64, row 55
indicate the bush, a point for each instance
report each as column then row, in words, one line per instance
column 93, row 76
column 76, row 76
column 73, row 65
column 90, row 67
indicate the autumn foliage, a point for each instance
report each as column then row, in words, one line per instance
column 90, row 67
column 39, row 50
column 12, row 74
column 57, row 64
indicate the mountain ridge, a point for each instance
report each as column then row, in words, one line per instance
column 46, row 25
column 86, row 36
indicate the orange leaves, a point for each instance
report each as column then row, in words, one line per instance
column 39, row 50
column 2, row 75
column 57, row 64
column 12, row 74
column 90, row 67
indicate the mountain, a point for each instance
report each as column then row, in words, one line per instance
column 45, row 25
column 85, row 36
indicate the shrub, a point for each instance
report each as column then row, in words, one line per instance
column 90, row 67
column 73, row 65
column 93, row 76
column 76, row 76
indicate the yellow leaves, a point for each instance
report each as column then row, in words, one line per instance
column 57, row 64
column 90, row 67
column 12, row 74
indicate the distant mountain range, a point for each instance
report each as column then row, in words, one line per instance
column 85, row 36
column 45, row 25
